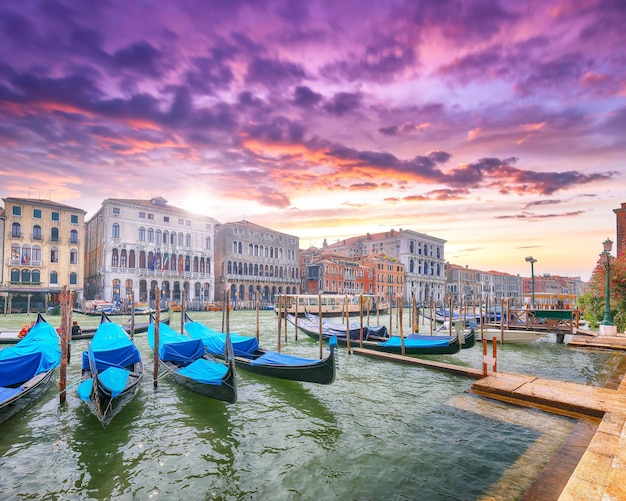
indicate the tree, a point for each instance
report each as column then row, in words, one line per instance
column 593, row 301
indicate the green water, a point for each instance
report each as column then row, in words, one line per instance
column 381, row 432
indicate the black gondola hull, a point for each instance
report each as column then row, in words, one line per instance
column 33, row 389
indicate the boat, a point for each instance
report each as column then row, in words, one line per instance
column 333, row 305
column 112, row 371
column 26, row 369
column 370, row 332
column 13, row 337
column 114, row 312
column 249, row 357
column 516, row 336
column 414, row 344
column 186, row 361
column 442, row 315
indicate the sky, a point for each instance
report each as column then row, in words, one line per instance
column 498, row 126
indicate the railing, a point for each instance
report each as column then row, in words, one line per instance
column 29, row 262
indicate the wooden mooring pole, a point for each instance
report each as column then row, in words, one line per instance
column 155, row 372
column 64, row 345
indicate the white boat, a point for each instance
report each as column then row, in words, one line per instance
column 509, row 336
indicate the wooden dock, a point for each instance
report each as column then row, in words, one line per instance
column 455, row 369
column 595, row 461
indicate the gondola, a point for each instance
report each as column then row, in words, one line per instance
column 249, row 357
column 187, row 363
column 414, row 344
column 370, row 332
column 12, row 337
column 26, row 369
column 112, row 371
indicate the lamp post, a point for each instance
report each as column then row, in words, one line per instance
column 606, row 261
column 532, row 262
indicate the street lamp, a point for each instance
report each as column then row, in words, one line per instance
column 606, row 260
column 532, row 262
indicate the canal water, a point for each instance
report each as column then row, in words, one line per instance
column 381, row 431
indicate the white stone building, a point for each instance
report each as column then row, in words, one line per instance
column 135, row 246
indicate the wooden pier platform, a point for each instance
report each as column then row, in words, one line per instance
column 455, row 369
column 598, row 473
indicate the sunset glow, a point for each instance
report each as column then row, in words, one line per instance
column 494, row 125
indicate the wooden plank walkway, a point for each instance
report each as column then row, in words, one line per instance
column 455, row 369
column 600, row 474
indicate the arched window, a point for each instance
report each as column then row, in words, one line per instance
column 166, row 237
column 74, row 236
column 73, row 256
column 207, row 243
column 229, row 268
column 142, row 234
column 411, row 266
column 36, row 232
column 142, row 260
column 234, row 247
column 115, row 230
column 15, row 254
column 15, row 275
column 54, row 278
column 196, row 264
column 36, row 277
column 54, row 254
column 26, row 254
column 16, row 230
column 25, row 276
column 123, row 260
column 173, row 238
column 36, row 259
column 158, row 236
column 180, row 239
column 150, row 235
column 73, row 278
column 114, row 258
column 54, row 234
column 131, row 259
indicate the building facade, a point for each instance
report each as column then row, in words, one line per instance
column 43, row 244
column 620, row 230
column 255, row 263
column 331, row 273
column 422, row 256
column 134, row 246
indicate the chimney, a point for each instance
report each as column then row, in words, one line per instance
column 621, row 229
